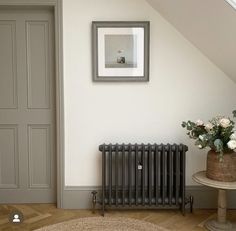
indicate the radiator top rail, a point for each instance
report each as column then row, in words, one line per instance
column 143, row 147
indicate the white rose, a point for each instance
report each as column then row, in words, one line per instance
column 201, row 137
column 209, row 126
column 224, row 122
column 199, row 146
column 199, row 123
column 233, row 136
column 231, row 144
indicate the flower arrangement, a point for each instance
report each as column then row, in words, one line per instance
column 218, row 134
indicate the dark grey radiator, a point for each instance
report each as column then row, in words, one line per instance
column 144, row 176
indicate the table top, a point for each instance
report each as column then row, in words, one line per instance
column 200, row 177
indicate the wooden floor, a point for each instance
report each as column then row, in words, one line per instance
column 38, row 215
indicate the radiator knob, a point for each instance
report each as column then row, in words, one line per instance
column 140, row 167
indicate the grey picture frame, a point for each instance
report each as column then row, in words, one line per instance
column 120, row 24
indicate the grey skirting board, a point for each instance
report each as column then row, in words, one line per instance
column 79, row 197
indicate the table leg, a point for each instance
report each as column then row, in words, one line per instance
column 221, row 223
column 221, row 213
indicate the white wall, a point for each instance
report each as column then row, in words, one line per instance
column 208, row 24
column 183, row 85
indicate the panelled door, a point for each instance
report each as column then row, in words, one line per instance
column 27, row 106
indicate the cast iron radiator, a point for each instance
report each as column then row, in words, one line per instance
column 147, row 176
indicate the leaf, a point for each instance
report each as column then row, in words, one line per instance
column 219, row 145
column 234, row 113
column 184, row 124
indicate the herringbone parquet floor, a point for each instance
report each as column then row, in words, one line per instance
column 38, row 215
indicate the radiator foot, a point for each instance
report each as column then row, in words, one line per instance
column 183, row 210
column 191, row 204
column 94, row 200
column 190, row 201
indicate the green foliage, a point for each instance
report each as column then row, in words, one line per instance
column 215, row 134
column 234, row 113
column 218, row 145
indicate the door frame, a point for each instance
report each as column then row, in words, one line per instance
column 57, row 11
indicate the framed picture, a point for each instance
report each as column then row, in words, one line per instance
column 120, row 51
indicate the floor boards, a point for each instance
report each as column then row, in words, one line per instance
column 38, row 215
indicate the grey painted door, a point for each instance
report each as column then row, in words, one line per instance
column 27, row 106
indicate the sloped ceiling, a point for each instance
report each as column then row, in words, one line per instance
column 209, row 24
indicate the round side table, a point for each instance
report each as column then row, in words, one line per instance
column 221, row 223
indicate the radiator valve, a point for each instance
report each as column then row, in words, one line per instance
column 140, row 166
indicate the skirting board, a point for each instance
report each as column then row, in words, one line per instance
column 80, row 197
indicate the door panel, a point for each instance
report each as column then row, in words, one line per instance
column 8, row 64
column 37, row 64
column 27, row 106
column 8, row 156
column 39, row 156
